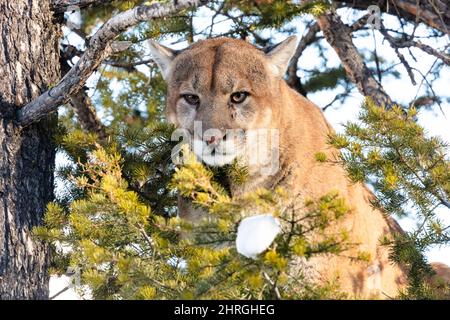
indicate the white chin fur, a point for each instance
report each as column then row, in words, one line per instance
column 225, row 154
column 218, row 160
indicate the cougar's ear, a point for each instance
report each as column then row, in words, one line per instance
column 280, row 55
column 163, row 57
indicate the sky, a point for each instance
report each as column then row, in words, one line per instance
column 436, row 122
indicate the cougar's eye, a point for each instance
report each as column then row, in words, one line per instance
column 239, row 97
column 191, row 99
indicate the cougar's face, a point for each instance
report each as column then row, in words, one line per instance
column 221, row 91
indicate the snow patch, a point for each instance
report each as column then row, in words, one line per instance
column 255, row 234
column 179, row 263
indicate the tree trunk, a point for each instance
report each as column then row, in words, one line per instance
column 29, row 64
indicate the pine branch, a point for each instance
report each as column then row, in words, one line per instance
column 100, row 47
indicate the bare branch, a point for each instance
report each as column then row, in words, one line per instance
column 402, row 43
column 424, row 79
column 292, row 79
column 86, row 114
column 339, row 37
column 60, row 6
column 129, row 66
column 99, row 48
column 247, row 28
column 399, row 54
column 434, row 13
column 360, row 23
column 273, row 284
column 340, row 96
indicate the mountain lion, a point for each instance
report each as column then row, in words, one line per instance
column 230, row 84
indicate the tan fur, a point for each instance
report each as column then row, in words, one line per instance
column 441, row 279
column 213, row 69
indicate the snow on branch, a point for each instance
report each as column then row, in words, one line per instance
column 100, row 47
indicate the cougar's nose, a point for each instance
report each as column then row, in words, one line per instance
column 216, row 138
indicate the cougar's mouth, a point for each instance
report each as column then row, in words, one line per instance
column 217, row 154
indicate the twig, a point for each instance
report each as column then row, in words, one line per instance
column 60, row 292
column 272, row 283
column 435, row 14
column 399, row 54
column 424, row 79
column 339, row 96
column 213, row 18
column 377, row 60
column 127, row 65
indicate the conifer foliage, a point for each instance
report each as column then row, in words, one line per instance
column 125, row 250
column 409, row 172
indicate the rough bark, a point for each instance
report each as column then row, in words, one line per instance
column 339, row 36
column 28, row 65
